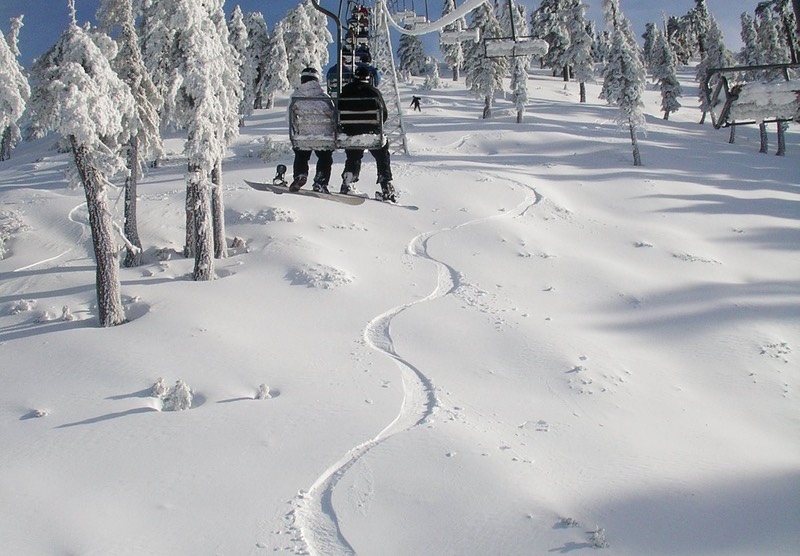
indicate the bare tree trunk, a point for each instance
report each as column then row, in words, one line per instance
column 190, row 241
column 782, row 138
column 520, row 113
column 762, row 131
column 5, row 144
column 703, row 118
column 109, row 299
column 732, row 137
column 218, row 213
column 637, row 158
column 455, row 73
column 582, row 88
column 487, row 107
column 132, row 257
column 197, row 183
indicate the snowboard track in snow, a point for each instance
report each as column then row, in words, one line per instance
column 313, row 521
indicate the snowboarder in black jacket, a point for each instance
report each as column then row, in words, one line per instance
column 360, row 96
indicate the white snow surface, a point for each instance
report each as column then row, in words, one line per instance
column 556, row 351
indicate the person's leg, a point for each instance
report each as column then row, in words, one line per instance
column 383, row 162
column 300, row 166
column 323, row 170
column 352, row 168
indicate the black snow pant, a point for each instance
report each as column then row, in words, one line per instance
column 324, row 164
column 381, row 156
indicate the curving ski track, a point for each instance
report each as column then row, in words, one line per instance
column 314, row 521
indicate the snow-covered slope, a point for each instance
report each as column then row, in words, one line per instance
column 556, row 343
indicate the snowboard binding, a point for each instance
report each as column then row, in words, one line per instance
column 280, row 174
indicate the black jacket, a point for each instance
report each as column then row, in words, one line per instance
column 359, row 96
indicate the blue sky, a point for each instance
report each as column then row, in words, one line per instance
column 45, row 19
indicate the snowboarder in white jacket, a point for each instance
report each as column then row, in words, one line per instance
column 315, row 109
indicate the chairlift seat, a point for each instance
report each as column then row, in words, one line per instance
column 454, row 37
column 743, row 102
column 311, row 129
column 504, row 47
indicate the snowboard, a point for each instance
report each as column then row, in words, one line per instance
column 279, row 186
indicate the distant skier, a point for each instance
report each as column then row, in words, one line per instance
column 360, row 96
column 314, row 108
column 415, row 103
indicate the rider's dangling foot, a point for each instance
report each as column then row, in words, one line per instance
column 348, row 178
column 298, row 183
column 387, row 191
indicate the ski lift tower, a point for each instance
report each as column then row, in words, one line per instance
column 383, row 60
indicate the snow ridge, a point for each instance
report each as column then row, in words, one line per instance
column 315, row 517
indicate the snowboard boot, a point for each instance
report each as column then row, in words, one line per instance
column 348, row 178
column 320, row 183
column 387, row 192
column 320, row 188
column 298, row 183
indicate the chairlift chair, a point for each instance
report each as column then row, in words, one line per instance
column 304, row 125
column 455, row 37
column 769, row 101
column 506, row 47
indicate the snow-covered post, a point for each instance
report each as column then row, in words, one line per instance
column 77, row 94
column 14, row 90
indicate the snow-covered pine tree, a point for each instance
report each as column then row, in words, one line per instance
column 232, row 83
column 681, row 38
column 410, row 56
column 77, row 94
column 649, row 44
column 715, row 56
column 789, row 25
column 700, row 19
column 748, row 54
column 203, row 103
column 578, row 55
column 237, row 36
column 307, row 38
column 484, row 76
column 432, row 79
column 14, row 90
column 144, row 142
column 320, row 37
column 519, row 64
column 549, row 22
column 663, row 63
column 624, row 75
column 453, row 53
column 255, row 75
column 277, row 66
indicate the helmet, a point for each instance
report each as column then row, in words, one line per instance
column 308, row 74
column 363, row 73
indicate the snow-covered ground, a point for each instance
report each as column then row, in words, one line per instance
column 556, row 344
